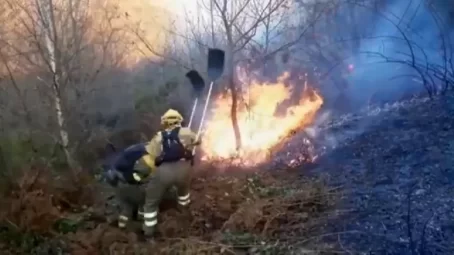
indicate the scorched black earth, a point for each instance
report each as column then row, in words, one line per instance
column 396, row 167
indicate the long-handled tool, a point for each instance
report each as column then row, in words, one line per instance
column 198, row 84
column 216, row 58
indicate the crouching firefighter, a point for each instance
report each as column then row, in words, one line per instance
column 172, row 148
column 126, row 172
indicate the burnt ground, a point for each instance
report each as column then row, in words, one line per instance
column 396, row 166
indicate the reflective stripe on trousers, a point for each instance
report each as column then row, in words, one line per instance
column 184, row 200
column 122, row 221
column 150, row 219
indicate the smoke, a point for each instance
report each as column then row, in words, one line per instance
column 381, row 67
column 375, row 75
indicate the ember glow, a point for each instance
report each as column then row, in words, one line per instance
column 262, row 128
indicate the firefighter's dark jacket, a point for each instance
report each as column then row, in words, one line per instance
column 133, row 160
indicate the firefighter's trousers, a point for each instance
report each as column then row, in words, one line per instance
column 165, row 177
column 131, row 199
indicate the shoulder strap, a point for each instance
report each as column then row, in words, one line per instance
column 175, row 132
column 171, row 134
column 163, row 135
column 166, row 135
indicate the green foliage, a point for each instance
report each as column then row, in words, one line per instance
column 18, row 152
column 151, row 103
column 239, row 238
column 25, row 242
column 30, row 243
column 256, row 186
column 155, row 101
column 65, row 226
column 253, row 244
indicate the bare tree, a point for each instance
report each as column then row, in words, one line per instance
column 241, row 21
column 254, row 32
column 70, row 46
column 436, row 75
column 47, row 20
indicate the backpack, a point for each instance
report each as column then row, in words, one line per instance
column 172, row 148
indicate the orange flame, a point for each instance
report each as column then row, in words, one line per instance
column 261, row 130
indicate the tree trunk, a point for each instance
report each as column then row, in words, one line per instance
column 213, row 37
column 47, row 19
column 233, row 90
column 233, row 112
column 354, row 28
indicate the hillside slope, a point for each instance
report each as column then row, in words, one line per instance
column 393, row 164
column 397, row 169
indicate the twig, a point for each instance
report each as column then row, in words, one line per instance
column 423, row 240
column 411, row 243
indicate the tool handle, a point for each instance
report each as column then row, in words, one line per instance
column 205, row 107
column 194, row 107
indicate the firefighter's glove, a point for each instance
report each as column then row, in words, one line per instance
column 137, row 177
column 197, row 143
column 141, row 171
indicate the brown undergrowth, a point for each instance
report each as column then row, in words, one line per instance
column 35, row 202
column 231, row 213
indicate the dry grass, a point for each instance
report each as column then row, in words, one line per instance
column 229, row 214
column 36, row 201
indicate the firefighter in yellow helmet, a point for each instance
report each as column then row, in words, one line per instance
column 172, row 148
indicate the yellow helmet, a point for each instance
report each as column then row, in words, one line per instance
column 171, row 117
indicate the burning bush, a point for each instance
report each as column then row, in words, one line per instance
column 270, row 113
